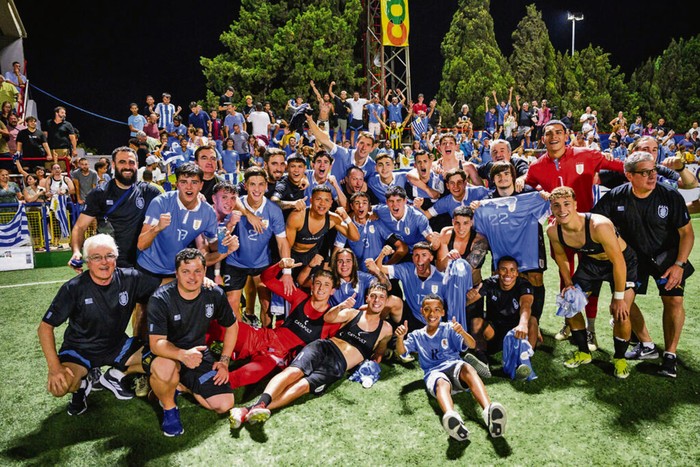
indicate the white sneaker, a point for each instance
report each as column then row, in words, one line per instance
column 592, row 341
column 454, row 426
column 495, row 418
column 564, row 333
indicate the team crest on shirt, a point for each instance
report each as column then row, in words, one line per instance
column 407, row 230
column 209, row 310
column 371, row 229
column 434, row 288
column 579, row 169
column 140, row 203
column 196, row 224
column 663, row 211
column 266, row 223
column 516, row 305
column 444, row 344
column 123, row 298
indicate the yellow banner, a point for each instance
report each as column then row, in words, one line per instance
column 395, row 23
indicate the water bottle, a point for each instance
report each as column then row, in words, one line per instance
column 221, row 234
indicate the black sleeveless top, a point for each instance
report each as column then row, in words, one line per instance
column 362, row 340
column 588, row 248
column 306, row 237
column 305, row 328
column 468, row 249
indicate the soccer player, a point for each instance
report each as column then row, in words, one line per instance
column 461, row 240
column 654, row 220
column 363, row 335
column 253, row 256
column 373, row 234
column 509, row 299
column 321, row 175
column 385, row 177
column 462, row 195
column 406, row 222
column 173, row 221
column 123, row 202
column 97, row 305
column 306, row 229
column 179, row 314
column 510, row 221
column 289, row 191
column 604, row 256
column 438, row 345
column 417, row 280
column 423, row 182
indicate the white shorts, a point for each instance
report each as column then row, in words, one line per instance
column 375, row 128
column 450, row 373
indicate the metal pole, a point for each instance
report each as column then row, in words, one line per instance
column 573, row 35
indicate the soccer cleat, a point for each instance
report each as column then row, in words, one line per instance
column 94, row 376
column 113, row 380
column 622, row 369
column 78, row 401
column 253, row 320
column 668, row 366
column 592, row 341
column 172, row 426
column 454, row 426
column 579, row 358
column 258, row 415
column 482, row 368
column 641, row 352
column 522, row 372
column 495, row 418
column 564, row 333
column 141, row 386
column 237, row 416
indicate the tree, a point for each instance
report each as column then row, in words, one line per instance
column 275, row 49
column 474, row 65
column 533, row 61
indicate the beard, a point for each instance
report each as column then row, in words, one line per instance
column 122, row 179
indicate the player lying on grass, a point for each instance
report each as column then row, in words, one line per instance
column 363, row 335
column 604, row 257
column 438, row 345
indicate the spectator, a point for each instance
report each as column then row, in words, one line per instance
column 166, row 112
column 135, row 121
column 342, row 112
column 199, row 119
column 8, row 92
column 85, row 180
column 16, row 77
column 61, row 137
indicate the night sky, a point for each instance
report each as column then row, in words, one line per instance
column 102, row 59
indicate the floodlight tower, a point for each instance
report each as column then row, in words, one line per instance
column 573, row 17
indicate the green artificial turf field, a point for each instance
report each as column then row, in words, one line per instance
column 566, row 417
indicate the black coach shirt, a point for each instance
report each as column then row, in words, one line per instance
column 32, row 143
column 503, row 306
column 650, row 225
column 127, row 219
column 59, row 134
column 185, row 322
column 98, row 314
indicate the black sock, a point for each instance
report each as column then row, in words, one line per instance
column 581, row 340
column 538, row 302
column 620, row 347
column 264, row 400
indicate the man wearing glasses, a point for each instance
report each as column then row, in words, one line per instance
column 97, row 305
column 654, row 220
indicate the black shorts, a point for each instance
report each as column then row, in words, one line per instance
column 646, row 269
column 235, row 278
column 115, row 357
column 356, row 125
column 199, row 380
column 153, row 274
column 591, row 272
column 322, row 363
column 306, row 256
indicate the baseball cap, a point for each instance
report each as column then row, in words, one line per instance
column 151, row 160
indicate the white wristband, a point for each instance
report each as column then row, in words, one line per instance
column 217, row 272
column 344, row 223
column 287, row 271
column 618, row 295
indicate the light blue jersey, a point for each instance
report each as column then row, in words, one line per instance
column 185, row 226
column 379, row 188
column 435, row 352
column 412, row 228
column 414, row 288
column 345, row 289
column 447, row 204
column 343, row 159
column 373, row 234
column 511, row 226
column 137, row 121
column 253, row 252
column 371, row 108
column 229, row 160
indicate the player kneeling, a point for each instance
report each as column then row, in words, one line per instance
column 438, row 345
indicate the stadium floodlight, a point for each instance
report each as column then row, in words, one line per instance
column 573, row 17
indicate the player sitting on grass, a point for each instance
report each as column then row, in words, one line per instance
column 438, row 345
column 363, row 335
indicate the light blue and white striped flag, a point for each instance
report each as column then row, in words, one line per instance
column 59, row 205
column 16, row 232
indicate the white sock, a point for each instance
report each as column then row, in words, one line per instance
column 116, row 373
column 648, row 345
column 485, row 414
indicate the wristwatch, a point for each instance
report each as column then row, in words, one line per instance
column 680, row 264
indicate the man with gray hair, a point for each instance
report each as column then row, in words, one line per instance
column 501, row 151
column 654, row 220
column 97, row 305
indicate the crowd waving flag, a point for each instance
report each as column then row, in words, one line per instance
column 16, row 232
